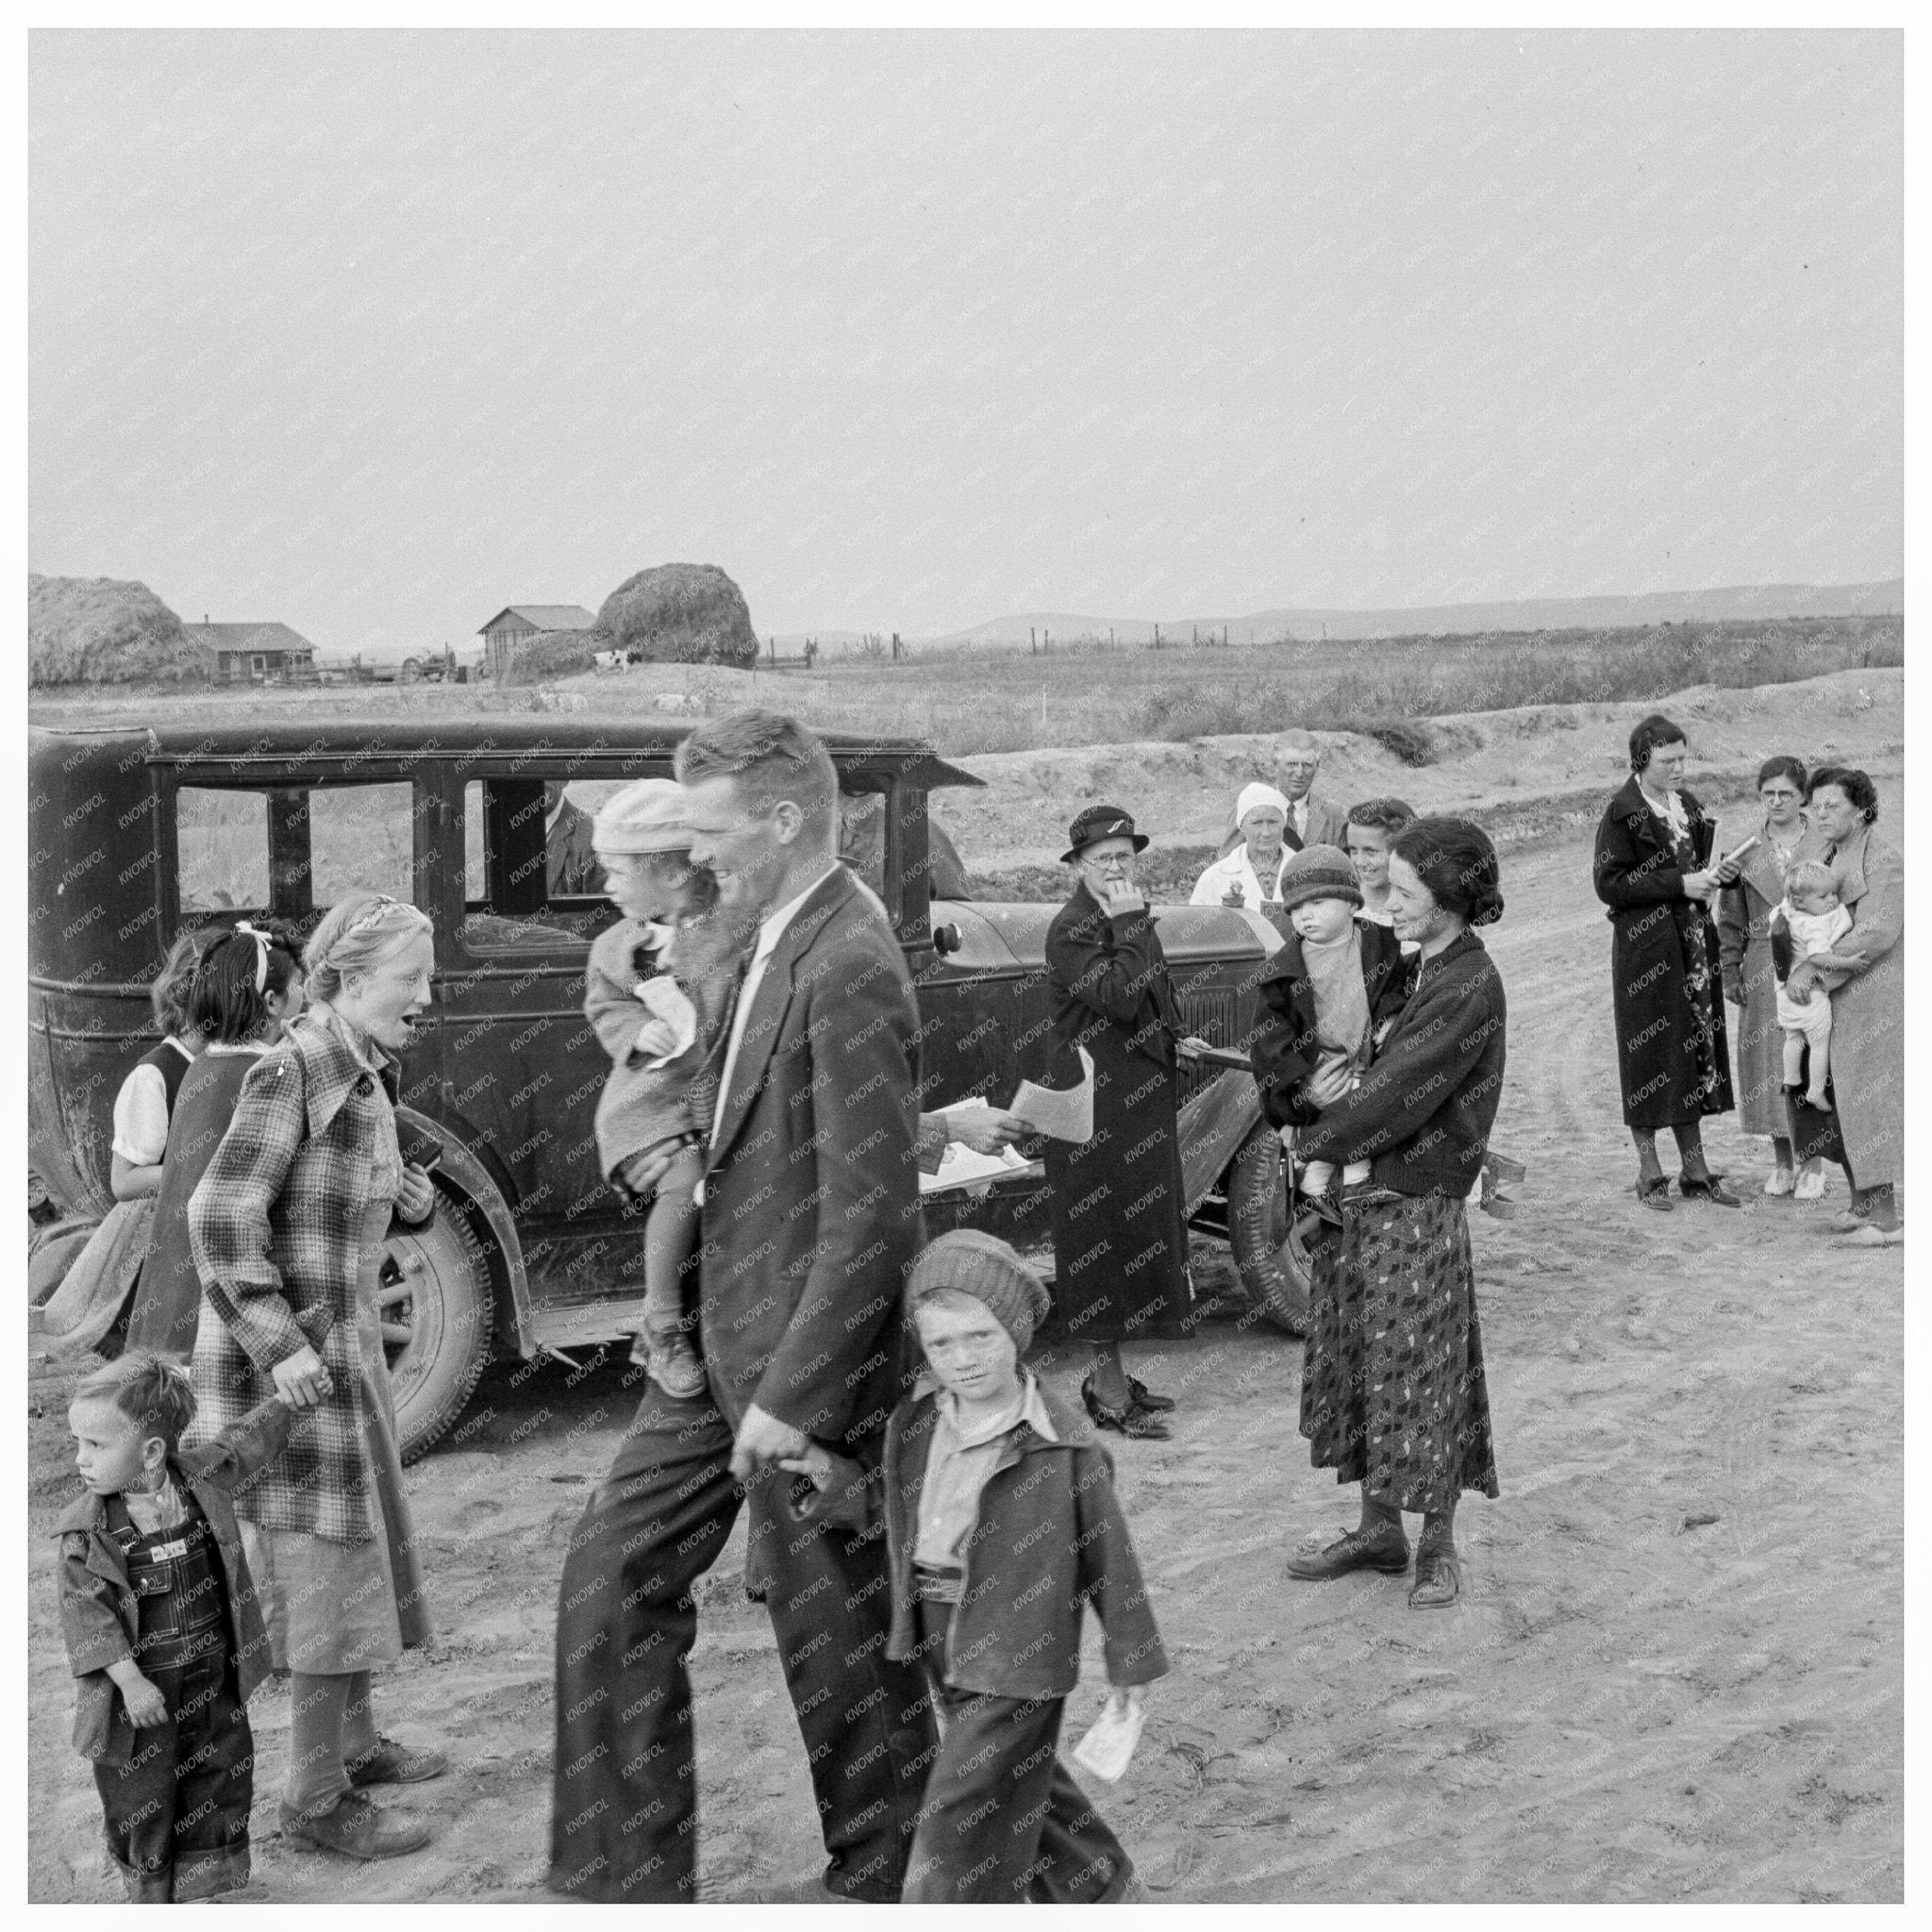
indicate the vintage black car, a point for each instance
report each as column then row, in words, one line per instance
column 139, row 833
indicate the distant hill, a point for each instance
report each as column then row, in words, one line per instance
column 1464, row 619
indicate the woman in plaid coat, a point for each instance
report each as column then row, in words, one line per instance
column 288, row 1229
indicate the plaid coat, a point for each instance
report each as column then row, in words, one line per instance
column 275, row 1226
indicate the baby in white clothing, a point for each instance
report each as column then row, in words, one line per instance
column 1814, row 918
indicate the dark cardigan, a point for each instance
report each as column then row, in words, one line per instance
column 1285, row 1051
column 1423, row 1110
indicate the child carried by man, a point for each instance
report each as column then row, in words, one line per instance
column 658, row 991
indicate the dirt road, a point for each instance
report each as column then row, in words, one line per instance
column 1676, row 1673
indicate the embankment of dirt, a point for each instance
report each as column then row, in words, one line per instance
column 1525, row 772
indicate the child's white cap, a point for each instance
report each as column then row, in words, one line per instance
column 648, row 816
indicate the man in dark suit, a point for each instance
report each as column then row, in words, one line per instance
column 1311, row 821
column 810, row 1217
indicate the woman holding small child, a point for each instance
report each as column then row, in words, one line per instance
column 1864, row 979
column 1751, row 982
column 1393, row 1393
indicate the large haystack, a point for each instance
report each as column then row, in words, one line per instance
column 99, row 630
column 553, row 654
column 681, row 613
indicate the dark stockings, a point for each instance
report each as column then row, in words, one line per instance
column 1110, row 1376
column 1689, row 1139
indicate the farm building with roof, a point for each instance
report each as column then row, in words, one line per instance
column 516, row 622
column 256, row 653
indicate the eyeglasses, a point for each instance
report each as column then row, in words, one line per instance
column 1118, row 863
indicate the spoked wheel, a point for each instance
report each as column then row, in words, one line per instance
column 1272, row 1258
column 434, row 1298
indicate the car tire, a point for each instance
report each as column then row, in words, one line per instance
column 1273, row 1263
column 434, row 1298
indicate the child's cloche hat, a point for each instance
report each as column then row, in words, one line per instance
column 987, row 1268
column 649, row 816
column 1319, row 871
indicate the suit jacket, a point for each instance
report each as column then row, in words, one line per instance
column 810, row 1212
column 99, row 1617
column 1325, row 827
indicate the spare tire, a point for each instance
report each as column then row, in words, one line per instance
column 1273, row 1262
column 434, row 1298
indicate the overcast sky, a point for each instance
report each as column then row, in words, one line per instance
column 377, row 333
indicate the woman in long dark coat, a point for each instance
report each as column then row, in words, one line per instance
column 1394, row 1392
column 1654, row 871
column 1120, row 1237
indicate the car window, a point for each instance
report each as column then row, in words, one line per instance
column 546, row 879
column 357, row 838
column 222, row 845
column 360, row 839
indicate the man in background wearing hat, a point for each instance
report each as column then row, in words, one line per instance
column 1120, row 1237
column 1001, row 1524
column 1311, row 821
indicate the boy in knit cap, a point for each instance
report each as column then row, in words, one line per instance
column 1001, row 1524
column 658, row 991
column 1325, row 990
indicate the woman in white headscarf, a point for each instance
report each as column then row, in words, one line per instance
column 1249, row 875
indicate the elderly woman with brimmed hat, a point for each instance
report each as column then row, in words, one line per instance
column 1249, row 877
column 1120, row 1236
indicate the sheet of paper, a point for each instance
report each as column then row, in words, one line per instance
column 960, row 1167
column 1105, row 1749
column 1066, row 1113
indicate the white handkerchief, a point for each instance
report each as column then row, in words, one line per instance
column 664, row 999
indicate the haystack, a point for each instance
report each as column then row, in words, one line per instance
column 553, row 654
column 100, row 630
column 681, row 613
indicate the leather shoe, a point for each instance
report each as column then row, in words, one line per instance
column 1437, row 1580
column 358, row 1827
column 390, row 1763
column 1145, row 1398
column 1870, row 1235
column 1712, row 1187
column 1655, row 1193
column 1132, row 1421
column 1381, row 1552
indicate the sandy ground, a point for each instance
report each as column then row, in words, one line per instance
column 1677, row 1670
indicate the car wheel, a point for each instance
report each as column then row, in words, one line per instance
column 1273, row 1262
column 434, row 1298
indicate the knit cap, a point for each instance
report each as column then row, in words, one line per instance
column 989, row 1270
column 1319, row 871
column 648, row 816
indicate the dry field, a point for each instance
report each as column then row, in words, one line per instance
column 1677, row 1671
column 991, row 699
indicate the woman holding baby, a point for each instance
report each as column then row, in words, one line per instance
column 1745, row 911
